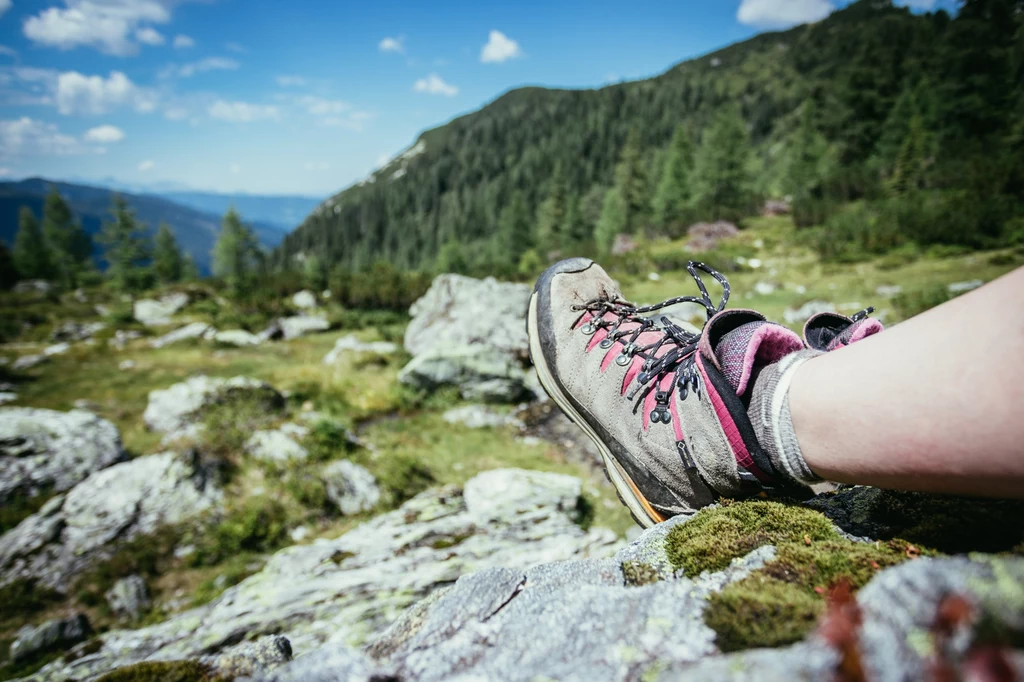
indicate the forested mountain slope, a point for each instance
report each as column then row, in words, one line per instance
column 873, row 102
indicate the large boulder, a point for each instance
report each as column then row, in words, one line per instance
column 154, row 312
column 350, row 589
column 481, row 372
column 300, row 325
column 350, row 487
column 53, row 635
column 44, row 450
column 73, row 531
column 172, row 409
column 278, row 445
column 194, row 330
column 129, row 597
column 351, row 343
column 304, row 300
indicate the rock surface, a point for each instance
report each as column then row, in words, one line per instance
column 73, row 531
column 29, row 361
column 478, row 417
column 351, row 589
column 299, row 325
column 189, row 331
column 279, row 445
column 129, row 597
column 351, row 343
column 154, row 312
column 48, row 450
column 174, row 408
column 237, row 337
column 481, row 372
column 53, row 635
column 76, row 331
column 304, row 299
column 350, row 487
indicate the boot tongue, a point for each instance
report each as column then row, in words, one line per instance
column 746, row 350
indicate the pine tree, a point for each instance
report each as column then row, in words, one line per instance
column 631, row 182
column 551, row 212
column 515, row 231
column 167, row 259
column 70, row 245
column 805, row 165
column 236, row 253
column 32, row 255
column 907, row 174
column 8, row 273
column 612, row 222
column 575, row 233
column 721, row 185
column 189, row 271
column 125, row 246
column 672, row 198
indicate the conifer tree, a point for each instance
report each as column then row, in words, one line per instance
column 125, row 246
column 167, row 259
column 236, row 253
column 631, row 183
column 907, row 174
column 515, row 229
column 70, row 245
column 189, row 271
column 32, row 255
column 721, row 185
column 672, row 198
column 551, row 212
column 575, row 233
column 8, row 273
column 612, row 222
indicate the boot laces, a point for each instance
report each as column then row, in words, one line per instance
column 682, row 345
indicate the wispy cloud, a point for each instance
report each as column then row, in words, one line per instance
column 4, row 6
column 499, row 48
column 78, row 94
column 782, row 13
column 203, row 65
column 106, row 26
column 150, row 36
column 105, row 134
column 286, row 81
column 182, row 42
column 392, row 45
column 146, row 165
column 235, row 47
column 435, row 85
column 243, row 112
column 319, row 106
column 27, row 137
column 8, row 51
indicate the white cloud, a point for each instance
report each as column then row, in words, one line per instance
column 182, row 42
column 290, row 81
column 201, row 66
column 104, row 134
column 318, row 106
column 4, row 6
column 176, row 113
column 8, row 51
column 150, row 36
column 76, row 93
column 243, row 112
column 318, row 166
column 392, row 45
column 26, row 137
column 106, row 25
column 235, row 168
column 434, row 85
column 499, row 48
column 235, row 47
column 146, row 165
column 782, row 13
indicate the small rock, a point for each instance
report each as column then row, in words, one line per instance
column 76, row 331
column 482, row 373
column 888, row 290
column 477, row 417
column 33, row 286
column 189, row 331
column 775, row 207
column 299, row 325
column 53, row 635
column 274, row 446
column 28, row 362
column 351, row 487
column 122, row 337
column 961, row 287
column 56, row 349
column 351, row 343
column 129, row 597
column 7, row 397
column 807, row 311
column 705, row 236
column 87, row 405
column 236, row 337
column 299, row 534
column 272, row 332
column 126, row 365
column 654, row 277
column 326, row 293
column 252, row 658
column 80, row 295
column 177, row 406
column 155, row 312
column 764, row 288
column 754, row 263
column 623, row 244
column 304, row 300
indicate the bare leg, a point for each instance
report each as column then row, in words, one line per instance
column 933, row 404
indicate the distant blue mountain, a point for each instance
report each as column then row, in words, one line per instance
column 196, row 230
column 284, row 211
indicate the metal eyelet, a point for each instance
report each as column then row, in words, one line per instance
column 626, row 356
column 589, row 328
column 606, row 343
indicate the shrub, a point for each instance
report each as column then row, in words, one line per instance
column 260, row 525
column 145, row 555
column 911, row 303
column 163, row 671
column 21, row 598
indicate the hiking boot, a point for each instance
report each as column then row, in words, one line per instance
column 832, row 331
column 667, row 408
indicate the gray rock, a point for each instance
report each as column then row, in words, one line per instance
column 57, row 349
column 460, row 311
column 28, row 362
column 237, row 337
column 53, row 635
column 154, row 312
column 764, row 288
column 961, row 287
column 272, row 332
column 76, row 331
column 888, row 290
column 194, row 330
column 126, row 365
column 49, row 450
column 7, row 397
column 252, row 658
column 481, row 372
column 347, row 590
column 351, row 343
column 300, row 325
column 807, row 311
column 173, row 408
column 478, row 417
column 304, row 300
column 116, row 504
column 33, row 286
column 129, row 597
column 351, row 487
column 337, row 663
column 278, row 445
column 122, row 337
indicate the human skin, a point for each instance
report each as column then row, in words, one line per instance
column 934, row 404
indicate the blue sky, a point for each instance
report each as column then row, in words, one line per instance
column 308, row 96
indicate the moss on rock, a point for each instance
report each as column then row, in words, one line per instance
column 637, row 573
column 760, row 611
column 163, row 671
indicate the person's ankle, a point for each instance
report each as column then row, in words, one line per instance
column 773, row 425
